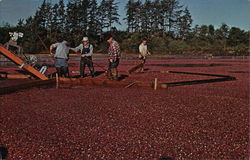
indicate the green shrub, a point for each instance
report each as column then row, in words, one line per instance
column 158, row 45
column 177, row 46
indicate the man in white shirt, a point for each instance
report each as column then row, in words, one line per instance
column 143, row 49
column 86, row 50
column 61, row 57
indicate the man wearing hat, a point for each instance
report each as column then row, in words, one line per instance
column 114, row 57
column 86, row 50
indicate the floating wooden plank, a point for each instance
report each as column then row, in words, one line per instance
column 25, row 85
column 135, row 68
column 98, row 82
column 14, row 58
column 129, row 85
column 221, row 78
column 14, row 76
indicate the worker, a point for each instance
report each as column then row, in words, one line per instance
column 114, row 57
column 61, row 57
column 143, row 53
column 86, row 50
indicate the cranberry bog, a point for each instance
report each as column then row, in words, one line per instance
column 198, row 110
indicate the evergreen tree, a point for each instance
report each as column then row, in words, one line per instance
column 221, row 34
column 20, row 22
column 237, row 36
column 48, row 18
column 184, row 24
column 40, row 15
column 32, row 31
column 102, row 14
column 157, row 18
column 171, row 12
column 146, row 16
column 94, row 26
column 73, row 21
column 61, row 15
column 203, row 32
column 131, row 11
column 137, row 19
column 112, row 13
column 83, row 15
column 211, row 34
column 72, row 16
column 55, row 22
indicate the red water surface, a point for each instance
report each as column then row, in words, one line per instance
column 203, row 121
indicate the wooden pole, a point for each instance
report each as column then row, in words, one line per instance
column 14, row 58
column 57, row 81
column 155, row 84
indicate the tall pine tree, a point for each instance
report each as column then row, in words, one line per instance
column 94, row 26
column 184, row 24
column 112, row 13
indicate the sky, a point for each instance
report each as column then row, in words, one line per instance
column 235, row 13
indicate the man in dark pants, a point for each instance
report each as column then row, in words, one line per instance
column 61, row 57
column 143, row 49
column 114, row 57
column 86, row 50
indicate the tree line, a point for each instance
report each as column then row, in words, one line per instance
column 166, row 23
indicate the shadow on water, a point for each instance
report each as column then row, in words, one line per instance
column 122, row 77
column 97, row 73
column 166, row 158
column 220, row 78
column 3, row 153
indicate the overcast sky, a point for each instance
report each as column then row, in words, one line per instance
column 232, row 12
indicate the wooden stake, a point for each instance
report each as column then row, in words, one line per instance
column 155, row 84
column 57, row 81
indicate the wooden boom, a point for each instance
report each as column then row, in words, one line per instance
column 14, row 58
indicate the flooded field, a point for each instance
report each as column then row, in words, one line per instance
column 208, row 120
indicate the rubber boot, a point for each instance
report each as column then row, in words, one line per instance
column 58, row 70
column 92, row 71
column 142, row 69
column 62, row 71
column 109, row 74
column 114, row 74
column 143, row 63
column 82, row 69
column 66, row 72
